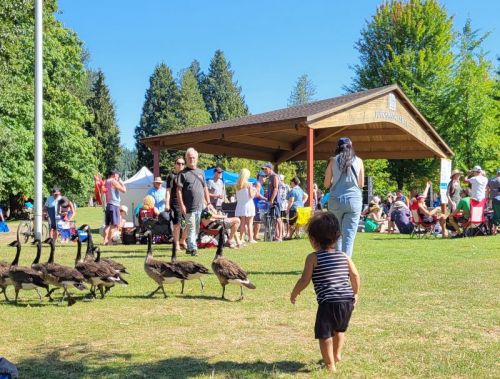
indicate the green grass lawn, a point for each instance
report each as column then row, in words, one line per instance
column 428, row 308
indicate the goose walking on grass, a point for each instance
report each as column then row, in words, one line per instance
column 5, row 280
column 229, row 272
column 96, row 274
column 117, row 266
column 98, row 260
column 61, row 276
column 24, row 278
column 192, row 270
column 161, row 272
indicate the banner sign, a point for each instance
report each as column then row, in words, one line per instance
column 445, row 179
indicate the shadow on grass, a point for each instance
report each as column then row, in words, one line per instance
column 82, row 361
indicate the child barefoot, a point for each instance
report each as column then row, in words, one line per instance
column 336, row 283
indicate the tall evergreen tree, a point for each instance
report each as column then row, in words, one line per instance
column 303, row 92
column 102, row 125
column 159, row 112
column 470, row 110
column 408, row 43
column 222, row 95
column 192, row 111
column 194, row 67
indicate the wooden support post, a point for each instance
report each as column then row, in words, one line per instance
column 310, row 165
column 156, row 161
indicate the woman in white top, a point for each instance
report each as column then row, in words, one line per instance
column 245, row 208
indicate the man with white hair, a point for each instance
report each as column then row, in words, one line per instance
column 193, row 197
column 478, row 183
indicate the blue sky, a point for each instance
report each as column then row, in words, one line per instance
column 269, row 43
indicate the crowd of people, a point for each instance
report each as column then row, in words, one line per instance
column 395, row 214
column 188, row 201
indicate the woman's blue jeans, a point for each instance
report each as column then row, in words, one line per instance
column 347, row 210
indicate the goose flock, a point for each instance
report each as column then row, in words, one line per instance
column 102, row 274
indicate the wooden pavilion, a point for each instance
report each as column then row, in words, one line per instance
column 382, row 123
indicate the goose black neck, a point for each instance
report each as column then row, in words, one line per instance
column 52, row 251
column 38, row 244
column 90, row 243
column 150, row 243
column 15, row 262
column 220, row 244
column 78, row 250
column 98, row 251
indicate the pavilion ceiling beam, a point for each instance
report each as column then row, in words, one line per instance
column 420, row 154
column 229, row 151
column 260, row 142
column 301, row 146
column 168, row 141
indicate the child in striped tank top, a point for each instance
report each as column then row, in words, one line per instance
column 336, row 284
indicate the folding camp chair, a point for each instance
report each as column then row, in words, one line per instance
column 420, row 228
column 476, row 225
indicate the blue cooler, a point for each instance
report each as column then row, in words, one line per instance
column 83, row 235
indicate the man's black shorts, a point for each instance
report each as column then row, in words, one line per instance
column 331, row 318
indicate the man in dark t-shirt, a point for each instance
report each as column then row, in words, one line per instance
column 172, row 204
column 193, row 197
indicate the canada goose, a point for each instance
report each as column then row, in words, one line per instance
column 97, row 275
column 118, row 267
column 24, row 278
column 161, row 272
column 61, row 276
column 228, row 272
column 192, row 270
column 5, row 280
column 103, row 262
column 40, row 267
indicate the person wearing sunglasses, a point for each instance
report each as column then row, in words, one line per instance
column 172, row 204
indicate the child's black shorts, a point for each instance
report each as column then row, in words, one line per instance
column 332, row 317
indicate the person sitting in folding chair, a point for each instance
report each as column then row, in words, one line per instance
column 211, row 223
column 424, row 218
column 461, row 214
column 477, row 223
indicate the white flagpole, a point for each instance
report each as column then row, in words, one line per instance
column 38, row 116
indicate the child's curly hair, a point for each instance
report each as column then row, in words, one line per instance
column 324, row 229
column 148, row 202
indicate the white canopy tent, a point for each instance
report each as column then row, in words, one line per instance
column 137, row 187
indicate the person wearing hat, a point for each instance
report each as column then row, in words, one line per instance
column 478, row 183
column 454, row 189
column 260, row 202
column 273, row 198
column 374, row 222
column 114, row 186
column 50, row 209
column 345, row 176
column 159, row 193
column 399, row 215
column 217, row 189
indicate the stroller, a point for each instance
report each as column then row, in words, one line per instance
column 160, row 228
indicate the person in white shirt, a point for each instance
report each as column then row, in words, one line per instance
column 478, row 183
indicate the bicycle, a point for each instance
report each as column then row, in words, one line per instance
column 26, row 229
column 269, row 225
